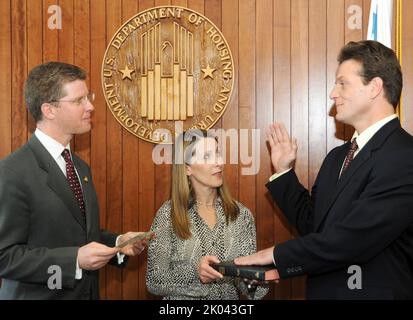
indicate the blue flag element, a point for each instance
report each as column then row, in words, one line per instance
column 380, row 21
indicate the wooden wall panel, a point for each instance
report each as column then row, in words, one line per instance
column 246, row 88
column 81, row 33
column 130, row 196
column 299, row 97
column 264, row 115
column 230, row 119
column 98, row 134
column 114, row 167
column 197, row 5
column 50, row 36
column 34, row 44
column 19, row 71
column 407, row 66
column 285, row 58
column 66, row 37
column 335, row 40
column 5, row 79
column 282, row 112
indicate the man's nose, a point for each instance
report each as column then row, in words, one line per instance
column 333, row 93
column 89, row 106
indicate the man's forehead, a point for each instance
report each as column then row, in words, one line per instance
column 76, row 86
column 348, row 68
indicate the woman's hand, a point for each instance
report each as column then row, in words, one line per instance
column 206, row 273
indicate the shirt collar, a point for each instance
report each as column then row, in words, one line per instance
column 52, row 146
column 367, row 134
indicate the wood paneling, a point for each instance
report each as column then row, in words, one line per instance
column 34, row 43
column 282, row 98
column 5, row 79
column 407, row 66
column 246, row 88
column 130, row 282
column 98, row 134
column 285, row 57
column 264, row 114
column 81, row 34
column 19, row 71
column 114, row 168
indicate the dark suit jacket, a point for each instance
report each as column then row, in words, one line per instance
column 365, row 218
column 41, row 226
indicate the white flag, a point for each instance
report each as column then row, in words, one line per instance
column 380, row 21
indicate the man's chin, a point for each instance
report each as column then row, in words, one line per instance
column 84, row 129
column 340, row 118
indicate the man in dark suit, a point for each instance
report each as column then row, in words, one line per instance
column 51, row 245
column 356, row 226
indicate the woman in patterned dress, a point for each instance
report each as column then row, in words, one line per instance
column 201, row 224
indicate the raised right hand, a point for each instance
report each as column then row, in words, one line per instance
column 283, row 149
column 93, row 256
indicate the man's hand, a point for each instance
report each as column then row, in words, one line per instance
column 134, row 248
column 260, row 258
column 94, row 255
column 206, row 272
column 283, row 149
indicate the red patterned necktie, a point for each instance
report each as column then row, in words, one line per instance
column 350, row 155
column 73, row 180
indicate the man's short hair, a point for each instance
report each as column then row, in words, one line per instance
column 45, row 84
column 377, row 61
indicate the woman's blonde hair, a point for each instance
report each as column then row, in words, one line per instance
column 182, row 194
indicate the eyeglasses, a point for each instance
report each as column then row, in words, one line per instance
column 80, row 101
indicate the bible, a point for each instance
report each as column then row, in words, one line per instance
column 261, row 273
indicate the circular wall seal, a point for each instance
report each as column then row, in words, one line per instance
column 164, row 65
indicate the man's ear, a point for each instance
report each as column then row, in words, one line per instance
column 188, row 170
column 376, row 87
column 48, row 111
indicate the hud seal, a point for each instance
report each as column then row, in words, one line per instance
column 163, row 65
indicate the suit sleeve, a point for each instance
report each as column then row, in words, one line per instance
column 295, row 201
column 380, row 215
column 17, row 260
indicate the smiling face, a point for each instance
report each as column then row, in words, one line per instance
column 206, row 165
column 351, row 96
column 72, row 115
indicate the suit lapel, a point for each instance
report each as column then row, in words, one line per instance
column 345, row 178
column 56, row 179
column 362, row 157
column 331, row 184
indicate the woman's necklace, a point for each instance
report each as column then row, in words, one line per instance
column 205, row 204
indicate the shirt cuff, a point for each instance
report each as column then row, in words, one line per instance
column 273, row 260
column 119, row 255
column 277, row 175
column 78, row 274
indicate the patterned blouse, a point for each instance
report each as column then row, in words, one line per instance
column 173, row 263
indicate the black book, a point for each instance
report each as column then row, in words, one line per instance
column 262, row 273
